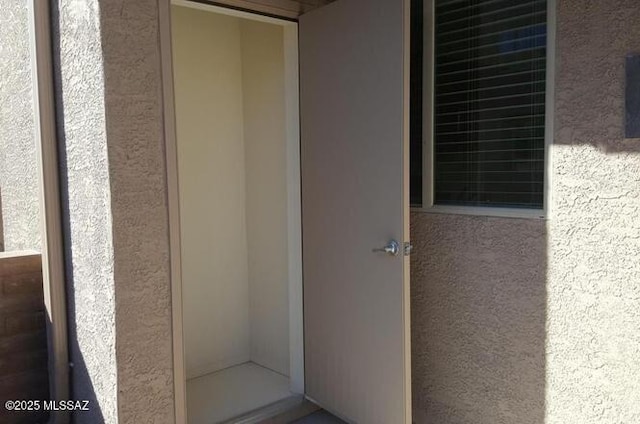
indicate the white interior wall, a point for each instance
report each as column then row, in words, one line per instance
column 266, row 179
column 208, row 97
column 230, row 112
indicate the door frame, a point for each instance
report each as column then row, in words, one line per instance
column 294, row 201
column 52, row 251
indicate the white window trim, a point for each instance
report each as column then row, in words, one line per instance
column 427, row 128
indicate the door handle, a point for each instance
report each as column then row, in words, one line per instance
column 392, row 248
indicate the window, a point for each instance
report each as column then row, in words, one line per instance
column 484, row 84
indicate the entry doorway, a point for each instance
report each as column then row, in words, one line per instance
column 237, row 137
column 347, row 202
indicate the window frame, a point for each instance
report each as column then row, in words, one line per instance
column 428, row 100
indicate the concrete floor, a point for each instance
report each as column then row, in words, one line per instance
column 238, row 389
column 320, row 417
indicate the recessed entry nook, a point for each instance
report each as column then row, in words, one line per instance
column 283, row 134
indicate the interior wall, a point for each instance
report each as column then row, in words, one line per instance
column 208, row 92
column 230, row 111
column 265, row 149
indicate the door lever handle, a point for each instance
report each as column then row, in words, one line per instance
column 392, row 248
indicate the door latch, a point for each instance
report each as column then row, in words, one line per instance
column 392, row 248
column 408, row 248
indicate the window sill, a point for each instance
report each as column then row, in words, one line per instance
column 482, row 211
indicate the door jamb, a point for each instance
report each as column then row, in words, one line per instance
column 52, row 251
column 173, row 204
column 406, row 201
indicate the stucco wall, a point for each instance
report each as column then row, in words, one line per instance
column 114, row 191
column 514, row 321
column 87, row 202
column 19, row 208
column 109, row 102
column 530, row 321
column 134, row 124
column 478, row 319
column 593, row 306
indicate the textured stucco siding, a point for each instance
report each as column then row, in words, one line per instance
column 19, row 209
column 593, row 306
column 134, row 112
column 513, row 321
column 114, row 191
column 86, row 199
column 538, row 321
column 109, row 100
column 478, row 319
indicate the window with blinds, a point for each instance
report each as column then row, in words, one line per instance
column 489, row 102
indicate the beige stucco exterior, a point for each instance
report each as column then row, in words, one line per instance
column 19, row 210
column 114, row 180
column 538, row 321
column 513, row 320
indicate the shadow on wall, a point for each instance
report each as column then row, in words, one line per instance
column 593, row 249
column 81, row 384
column 536, row 321
column 478, row 319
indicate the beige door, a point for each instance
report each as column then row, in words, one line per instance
column 354, row 107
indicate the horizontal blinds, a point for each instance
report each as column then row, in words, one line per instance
column 489, row 102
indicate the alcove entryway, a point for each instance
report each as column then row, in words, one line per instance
column 291, row 183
